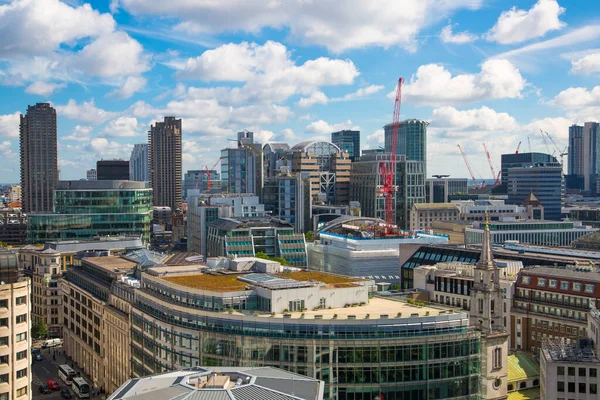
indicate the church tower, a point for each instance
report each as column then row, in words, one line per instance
column 487, row 316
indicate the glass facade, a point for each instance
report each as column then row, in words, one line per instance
column 412, row 139
column 520, row 160
column 84, row 214
column 544, row 180
column 403, row 358
column 348, row 141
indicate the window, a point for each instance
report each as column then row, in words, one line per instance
column 22, row 391
column 593, row 373
column 21, row 355
column 564, row 285
column 571, row 371
column 582, row 387
column 4, row 341
column 3, row 321
column 589, row 288
column 577, row 287
column 510, row 387
column 21, row 300
column 571, row 387
column 560, row 386
column 4, row 378
column 582, row 372
column 593, row 388
column 536, row 382
column 497, row 359
column 525, row 280
column 541, row 282
column 21, row 318
column 21, row 336
column 21, row 373
column 553, row 283
column 4, row 359
column 4, row 303
column 522, row 385
column 3, row 396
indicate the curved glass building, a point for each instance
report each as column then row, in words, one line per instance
column 320, row 325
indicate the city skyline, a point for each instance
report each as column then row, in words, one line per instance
column 494, row 72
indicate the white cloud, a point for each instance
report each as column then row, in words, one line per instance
column 323, row 127
column 448, row 36
column 132, row 85
column 362, row 92
column 557, row 127
column 376, row 139
column 103, row 148
column 434, row 85
column 5, row 149
column 356, row 24
column 86, row 112
column 315, row 98
column 578, row 97
column 81, row 133
column 122, row 127
column 44, row 88
column 590, row 64
column 515, row 25
column 483, row 118
column 9, row 125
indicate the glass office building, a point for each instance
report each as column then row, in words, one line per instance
column 348, row 141
column 544, row 180
column 86, row 209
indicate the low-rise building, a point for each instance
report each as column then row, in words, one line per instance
column 523, row 376
column 15, row 329
column 441, row 188
column 496, row 210
column 423, row 215
column 249, row 236
column 13, row 226
column 210, row 383
column 569, row 370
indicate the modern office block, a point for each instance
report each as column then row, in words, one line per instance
column 412, row 139
column 112, row 170
column 164, row 149
column 348, row 141
column 138, row 163
column 543, row 180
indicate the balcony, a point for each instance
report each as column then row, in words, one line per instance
column 554, row 303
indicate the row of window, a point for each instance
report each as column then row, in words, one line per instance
column 18, row 301
column 582, row 372
column 582, row 387
column 564, row 285
column 18, row 375
column 19, row 320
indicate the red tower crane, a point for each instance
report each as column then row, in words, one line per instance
column 388, row 169
column 494, row 176
column 208, row 173
column 468, row 166
column 518, row 147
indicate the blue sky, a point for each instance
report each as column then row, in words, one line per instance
column 491, row 71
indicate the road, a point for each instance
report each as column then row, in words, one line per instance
column 44, row 371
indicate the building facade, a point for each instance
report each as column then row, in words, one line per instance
column 412, row 140
column 91, row 175
column 241, row 167
column 287, row 197
column 84, row 210
column 164, row 162
column 423, row 215
column 591, row 156
column 495, row 210
column 15, row 329
column 196, row 182
column 39, row 157
column 577, row 150
column 112, row 170
column 13, row 226
column 348, row 141
column 543, row 180
column 439, row 190
column 521, row 160
column 138, row 163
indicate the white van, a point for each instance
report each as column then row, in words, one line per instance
column 52, row 343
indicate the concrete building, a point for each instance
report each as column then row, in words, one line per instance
column 353, row 246
column 209, row 383
column 15, row 329
column 257, row 319
column 84, row 210
column 440, row 189
column 496, row 210
column 569, row 370
column 112, row 170
column 247, row 236
column 13, row 226
column 423, row 215
column 366, row 181
column 287, row 197
column 44, row 268
column 242, row 166
column 323, row 214
column 96, row 332
column 39, row 157
column 91, row 175
column 577, row 157
column 348, row 141
column 594, row 326
column 138, row 163
column 536, row 233
column 164, row 162
column 544, row 181
column 412, row 140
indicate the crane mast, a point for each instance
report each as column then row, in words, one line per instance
column 464, row 156
column 494, row 176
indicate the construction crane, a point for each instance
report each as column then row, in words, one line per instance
column 464, row 156
column 562, row 153
column 494, row 176
column 208, row 173
column 518, row 147
column 529, row 144
column 545, row 141
column 388, row 169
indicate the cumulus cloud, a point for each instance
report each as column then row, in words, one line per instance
column 376, row 139
column 362, row 92
column 357, row 24
column 9, row 125
column 44, row 88
column 5, row 149
column 122, row 127
column 81, row 133
column 86, row 112
column 590, row 64
column 315, row 98
column 132, row 85
column 515, row 25
column 483, row 118
column 577, row 97
column 434, row 85
column 103, row 148
column 447, row 36
column 323, row 127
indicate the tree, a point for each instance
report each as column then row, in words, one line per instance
column 39, row 329
column 2, row 244
column 309, row 236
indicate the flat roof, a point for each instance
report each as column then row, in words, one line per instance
column 330, row 279
column 564, row 272
column 216, row 283
column 435, row 206
column 111, row 263
column 522, row 366
column 525, row 394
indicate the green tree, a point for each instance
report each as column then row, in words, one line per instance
column 2, row 244
column 39, row 329
column 309, row 236
column 262, row 255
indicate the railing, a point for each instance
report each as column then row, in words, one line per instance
column 560, row 303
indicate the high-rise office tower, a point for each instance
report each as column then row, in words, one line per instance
column 348, row 141
column 412, row 140
column 138, row 163
column 164, row 148
column 39, row 157
column 576, row 152
column 591, row 159
column 241, row 167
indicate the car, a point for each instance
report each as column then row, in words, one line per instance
column 65, row 393
column 39, row 357
column 45, row 389
column 52, row 384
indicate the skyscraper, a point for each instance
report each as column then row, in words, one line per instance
column 241, row 167
column 412, row 140
column 164, row 148
column 348, row 141
column 591, row 160
column 138, row 163
column 574, row 179
column 39, row 157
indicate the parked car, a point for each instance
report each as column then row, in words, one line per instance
column 65, row 393
column 53, row 385
column 39, row 357
column 45, row 389
column 52, row 343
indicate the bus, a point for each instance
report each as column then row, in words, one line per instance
column 80, row 387
column 66, row 373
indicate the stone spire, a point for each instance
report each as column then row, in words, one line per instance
column 486, row 260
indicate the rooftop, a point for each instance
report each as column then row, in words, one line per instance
column 101, row 185
column 329, row 279
column 525, row 394
column 522, row 366
column 249, row 222
column 216, row 283
column 435, row 206
column 111, row 263
column 221, row 383
column 588, row 273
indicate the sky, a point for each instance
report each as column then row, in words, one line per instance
column 480, row 71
